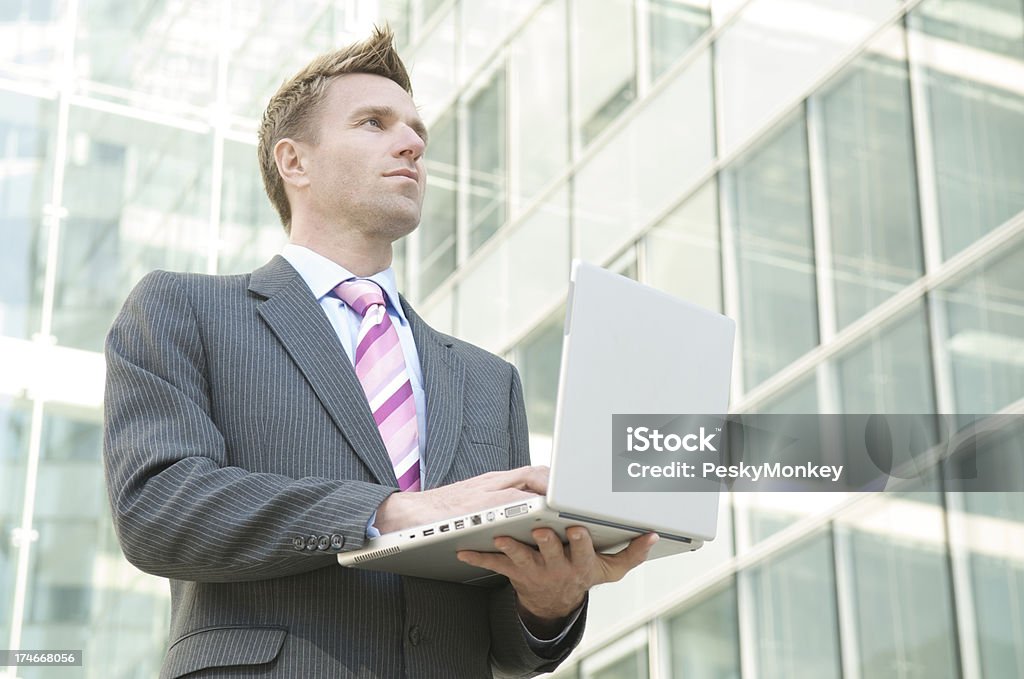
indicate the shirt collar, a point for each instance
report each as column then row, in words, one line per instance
column 322, row 275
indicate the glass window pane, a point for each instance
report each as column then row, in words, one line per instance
column 776, row 49
column 683, row 253
column 997, row 565
column 30, row 36
column 674, row 25
column 539, row 358
column 605, row 81
column 26, row 170
column 704, row 639
column 432, row 67
column 901, row 588
column 867, row 144
column 81, row 591
column 540, row 246
column 482, row 310
column 487, row 160
column 794, row 607
column 250, row 229
column 648, row 165
column 891, row 370
column 970, row 56
column 163, row 49
column 138, row 199
column 437, row 226
column 771, row 209
column 484, row 25
column 985, row 342
column 270, row 41
column 15, row 420
column 540, row 74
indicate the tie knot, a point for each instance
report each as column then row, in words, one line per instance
column 360, row 294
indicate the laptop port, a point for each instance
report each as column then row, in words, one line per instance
column 515, row 511
column 444, row 528
column 490, row 516
column 476, row 519
column 460, row 524
column 429, row 531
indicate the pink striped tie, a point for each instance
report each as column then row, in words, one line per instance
column 380, row 367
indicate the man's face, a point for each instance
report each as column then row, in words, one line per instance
column 366, row 171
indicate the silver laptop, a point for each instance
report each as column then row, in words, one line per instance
column 628, row 348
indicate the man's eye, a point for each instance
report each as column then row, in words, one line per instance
column 374, row 122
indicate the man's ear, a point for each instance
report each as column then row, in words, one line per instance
column 290, row 156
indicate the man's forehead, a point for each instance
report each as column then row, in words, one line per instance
column 357, row 90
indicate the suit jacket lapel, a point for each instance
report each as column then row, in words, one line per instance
column 443, row 376
column 299, row 323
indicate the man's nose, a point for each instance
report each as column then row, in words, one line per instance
column 411, row 144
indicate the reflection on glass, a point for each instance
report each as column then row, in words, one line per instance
column 647, row 166
column 484, row 25
column 997, row 565
column 605, row 81
column 683, row 254
column 540, row 246
column 539, row 358
column 794, row 608
column 14, row 435
column 541, row 133
column 901, row 590
column 985, row 342
column 704, row 640
column 771, row 207
column 432, row 66
column 138, row 199
column 165, row 49
column 30, row 33
column 81, row 592
column 970, row 54
column 674, row 26
column 270, row 41
column 775, row 50
column 890, row 371
column 437, row 226
column 250, row 229
column 487, row 160
column 631, row 666
column 26, row 167
column 872, row 197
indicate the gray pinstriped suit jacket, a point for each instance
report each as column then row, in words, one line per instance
column 241, row 457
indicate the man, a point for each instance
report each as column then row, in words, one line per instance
column 258, row 425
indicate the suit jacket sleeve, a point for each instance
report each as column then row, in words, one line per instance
column 180, row 510
column 511, row 655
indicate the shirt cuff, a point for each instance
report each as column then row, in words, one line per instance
column 371, row 530
column 538, row 646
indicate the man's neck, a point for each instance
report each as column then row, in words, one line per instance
column 361, row 256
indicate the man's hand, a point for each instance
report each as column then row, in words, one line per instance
column 551, row 580
column 493, row 489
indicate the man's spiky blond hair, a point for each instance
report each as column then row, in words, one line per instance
column 292, row 111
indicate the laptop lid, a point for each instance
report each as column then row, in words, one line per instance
column 629, row 348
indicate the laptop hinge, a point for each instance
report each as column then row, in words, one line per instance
column 587, row 519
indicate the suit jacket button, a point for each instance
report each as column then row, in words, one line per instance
column 324, row 543
column 299, row 543
column 337, row 541
column 311, row 542
column 414, row 635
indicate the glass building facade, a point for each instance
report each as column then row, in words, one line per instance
column 845, row 179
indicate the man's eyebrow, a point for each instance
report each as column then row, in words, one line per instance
column 389, row 113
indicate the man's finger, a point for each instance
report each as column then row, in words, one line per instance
column 550, row 546
column 499, row 563
column 522, row 556
column 634, row 554
column 581, row 546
